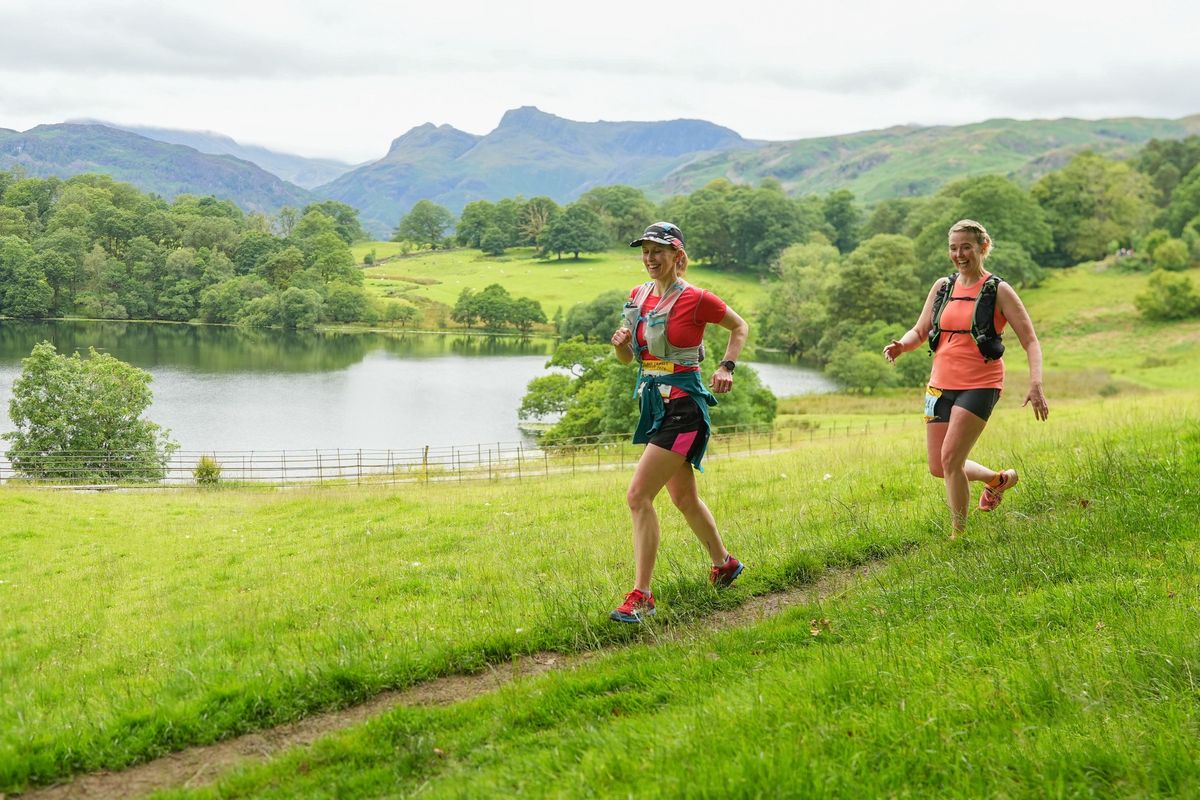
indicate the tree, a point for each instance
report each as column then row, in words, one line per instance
column 299, row 308
column 474, row 221
column 578, row 229
column 536, row 214
column 494, row 306
column 81, row 420
column 1091, row 203
column 844, row 218
column 1185, row 202
column 345, row 303
column 426, row 223
column 493, row 241
column 524, row 312
column 465, row 310
column 24, row 291
column 595, row 320
column 624, row 210
column 345, row 219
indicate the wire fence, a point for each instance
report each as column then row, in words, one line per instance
column 339, row 467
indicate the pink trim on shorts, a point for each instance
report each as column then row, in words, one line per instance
column 683, row 443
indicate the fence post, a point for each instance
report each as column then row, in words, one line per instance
column 425, row 462
column 320, row 471
column 489, row 463
column 358, row 476
column 518, row 460
column 546, row 459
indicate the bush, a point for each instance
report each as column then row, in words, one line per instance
column 80, row 420
column 1168, row 297
column 207, row 471
column 1171, row 255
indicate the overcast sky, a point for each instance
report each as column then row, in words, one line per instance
column 344, row 78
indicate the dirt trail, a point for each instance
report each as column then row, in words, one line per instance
column 197, row 766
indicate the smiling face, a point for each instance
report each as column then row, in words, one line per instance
column 661, row 261
column 966, row 252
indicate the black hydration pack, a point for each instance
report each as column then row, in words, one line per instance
column 983, row 320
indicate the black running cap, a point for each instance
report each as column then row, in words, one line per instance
column 666, row 233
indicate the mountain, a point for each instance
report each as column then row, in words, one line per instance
column 531, row 153
column 152, row 166
column 916, row 160
column 304, row 172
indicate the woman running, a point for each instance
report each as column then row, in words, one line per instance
column 963, row 319
column 663, row 329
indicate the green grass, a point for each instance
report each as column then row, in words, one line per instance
column 135, row 624
column 1051, row 654
column 441, row 276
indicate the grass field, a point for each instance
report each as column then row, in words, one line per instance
column 1052, row 653
column 135, row 624
column 441, row 276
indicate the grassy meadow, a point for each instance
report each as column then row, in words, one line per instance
column 1050, row 653
column 136, row 624
column 441, row 276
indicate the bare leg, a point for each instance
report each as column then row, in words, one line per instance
column 935, row 434
column 654, row 469
column 961, row 434
column 686, row 497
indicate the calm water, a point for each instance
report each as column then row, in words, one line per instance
column 234, row 389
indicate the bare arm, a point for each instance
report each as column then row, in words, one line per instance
column 918, row 333
column 622, row 342
column 739, row 330
column 1014, row 311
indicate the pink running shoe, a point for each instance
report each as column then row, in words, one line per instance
column 991, row 496
column 637, row 606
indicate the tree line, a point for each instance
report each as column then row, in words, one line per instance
column 94, row 247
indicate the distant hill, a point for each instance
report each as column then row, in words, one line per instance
column 304, row 172
column 152, row 166
column 914, row 160
column 531, row 153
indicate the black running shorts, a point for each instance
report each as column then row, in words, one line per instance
column 683, row 429
column 979, row 402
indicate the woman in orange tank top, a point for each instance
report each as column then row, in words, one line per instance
column 965, row 385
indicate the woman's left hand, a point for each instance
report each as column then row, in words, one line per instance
column 722, row 381
column 1041, row 410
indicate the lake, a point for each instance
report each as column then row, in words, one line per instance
column 219, row 388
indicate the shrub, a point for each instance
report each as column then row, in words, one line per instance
column 207, row 471
column 1168, row 297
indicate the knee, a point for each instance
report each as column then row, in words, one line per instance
column 637, row 499
column 951, row 463
column 685, row 501
column 936, row 470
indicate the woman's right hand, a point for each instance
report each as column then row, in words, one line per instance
column 622, row 337
column 893, row 351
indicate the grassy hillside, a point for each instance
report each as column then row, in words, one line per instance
column 915, row 160
column 1051, row 652
column 441, row 276
column 211, row 613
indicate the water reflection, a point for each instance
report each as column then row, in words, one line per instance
column 221, row 388
column 217, row 349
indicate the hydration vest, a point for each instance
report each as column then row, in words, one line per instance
column 657, row 343
column 983, row 320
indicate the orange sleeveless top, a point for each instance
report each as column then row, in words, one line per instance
column 957, row 363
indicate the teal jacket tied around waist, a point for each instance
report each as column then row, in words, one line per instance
column 654, row 409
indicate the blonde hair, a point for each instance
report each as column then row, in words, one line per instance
column 682, row 264
column 971, row 226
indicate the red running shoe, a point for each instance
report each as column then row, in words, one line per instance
column 637, row 605
column 726, row 574
column 991, row 496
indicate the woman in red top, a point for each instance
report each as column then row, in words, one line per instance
column 676, row 428
column 965, row 385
